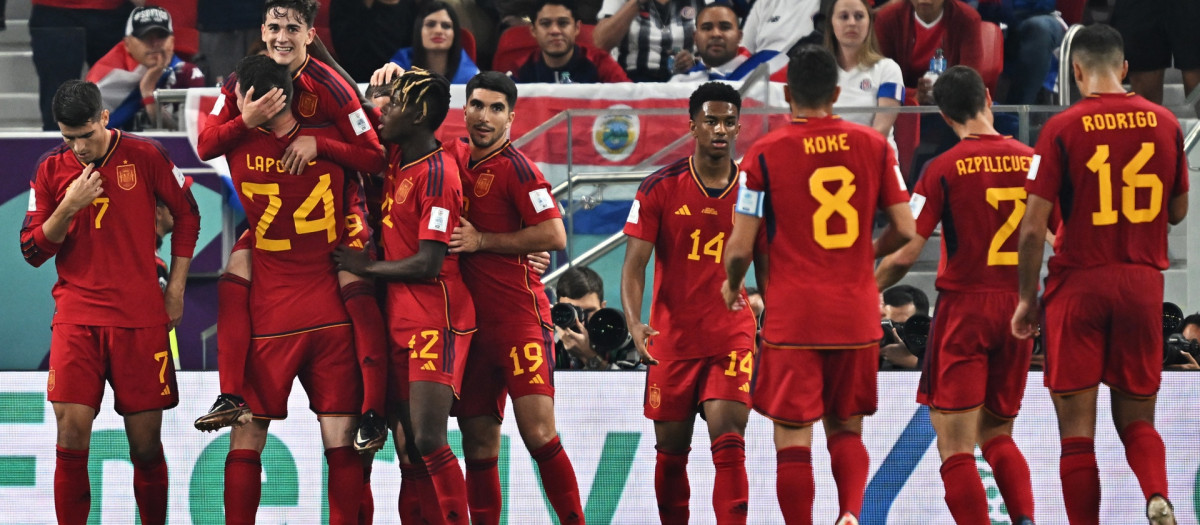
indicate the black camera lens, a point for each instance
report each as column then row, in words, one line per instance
column 1172, row 319
column 565, row 315
column 608, row 330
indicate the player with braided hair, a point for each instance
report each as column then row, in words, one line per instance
column 431, row 318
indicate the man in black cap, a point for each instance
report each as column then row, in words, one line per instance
column 143, row 62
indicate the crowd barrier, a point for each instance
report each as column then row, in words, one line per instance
column 611, row 444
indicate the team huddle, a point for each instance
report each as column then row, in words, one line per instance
column 442, row 240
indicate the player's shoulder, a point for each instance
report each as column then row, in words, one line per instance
column 142, row 146
column 320, row 76
column 670, row 172
column 55, row 157
column 518, row 164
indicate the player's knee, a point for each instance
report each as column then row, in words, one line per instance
column 428, row 440
column 145, row 451
column 73, row 437
column 537, row 435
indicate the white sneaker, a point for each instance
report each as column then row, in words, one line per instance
column 850, row 519
column 1160, row 511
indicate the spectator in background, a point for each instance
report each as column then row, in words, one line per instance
column 1034, row 33
column 647, row 37
column 370, row 32
column 66, row 34
column 145, row 61
column 228, row 30
column 1191, row 327
column 866, row 77
column 719, row 53
column 512, row 13
column 899, row 303
column 1155, row 32
column 583, row 287
column 778, row 24
column 558, row 58
column 911, row 31
column 436, row 45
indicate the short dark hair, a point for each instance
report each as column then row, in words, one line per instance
column 307, row 9
column 960, row 93
column 713, row 92
column 713, row 5
column 812, row 76
column 577, row 282
column 1193, row 319
column 1098, row 45
column 570, row 5
column 903, row 294
column 429, row 89
column 263, row 74
column 494, row 81
column 77, row 102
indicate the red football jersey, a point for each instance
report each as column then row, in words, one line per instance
column 1110, row 163
column 504, row 192
column 319, row 98
column 422, row 202
column 688, row 225
column 977, row 191
column 297, row 223
column 106, row 265
column 817, row 184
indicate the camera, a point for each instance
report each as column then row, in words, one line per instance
column 566, row 315
column 914, row 333
column 1174, row 344
column 608, row 330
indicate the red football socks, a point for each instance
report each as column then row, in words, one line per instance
column 233, row 336
column 1011, row 472
column 369, row 342
column 243, row 486
column 849, row 460
column 794, row 485
column 964, row 490
column 410, row 494
column 731, row 489
column 671, row 487
column 558, row 480
column 72, row 489
column 483, row 491
column 345, row 485
column 1080, row 480
column 1147, row 457
column 449, row 485
column 150, row 489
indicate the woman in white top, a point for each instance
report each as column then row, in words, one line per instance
column 865, row 76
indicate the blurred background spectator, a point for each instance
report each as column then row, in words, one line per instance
column 558, row 58
column 866, row 77
column 437, row 44
column 898, row 305
column 66, row 34
column 778, row 24
column 581, row 287
column 371, row 31
column 719, row 54
column 513, row 13
column 229, row 29
column 141, row 63
column 648, row 37
column 1034, row 32
column 1157, row 34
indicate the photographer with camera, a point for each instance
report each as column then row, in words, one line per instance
column 1181, row 339
column 590, row 336
column 899, row 305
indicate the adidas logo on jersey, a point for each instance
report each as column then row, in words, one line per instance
column 429, row 366
column 745, row 387
column 709, row 211
column 166, row 390
column 537, row 380
column 683, row 210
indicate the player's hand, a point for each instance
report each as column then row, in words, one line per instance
column 173, row 299
column 733, row 298
column 575, row 341
column 1025, row 320
column 538, row 262
column 465, row 238
column 641, row 332
column 924, row 91
column 83, row 190
column 351, row 260
column 384, row 75
column 299, row 153
column 258, row 112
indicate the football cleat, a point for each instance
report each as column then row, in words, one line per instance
column 228, row 411
column 847, row 519
column 372, row 432
column 1160, row 511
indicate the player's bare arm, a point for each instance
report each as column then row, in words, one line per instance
column 1030, row 246
column 901, row 228
column 548, row 235
column 633, row 288
column 425, row 264
column 79, row 195
column 1177, row 208
column 893, row 267
column 739, row 251
column 761, row 263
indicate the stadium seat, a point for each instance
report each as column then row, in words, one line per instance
column 991, row 41
column 183, row 20
column 1072, row 10
column 467, row 39
column 516, row 44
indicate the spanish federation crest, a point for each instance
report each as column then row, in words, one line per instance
column 484, row 183
column 402, row 192
column 307, row 105
column 655, row 397
column 126, row 176
column 616, row 136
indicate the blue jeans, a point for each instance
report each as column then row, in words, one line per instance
column 1028, row 53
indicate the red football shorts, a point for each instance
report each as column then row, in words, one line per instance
column 323, row 359
column 513, row 359
column 1104, row 324
column 797, row 386
column 438, row 355
column 973, row 359
column 676, row 389
column 135, row 361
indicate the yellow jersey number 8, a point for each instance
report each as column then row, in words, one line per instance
column 833, row 203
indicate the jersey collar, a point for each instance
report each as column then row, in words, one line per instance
column 112, row 147
column 422, row 159
column 733, row 181
column 471, row 164
column 300, row 70
column 806, row 120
